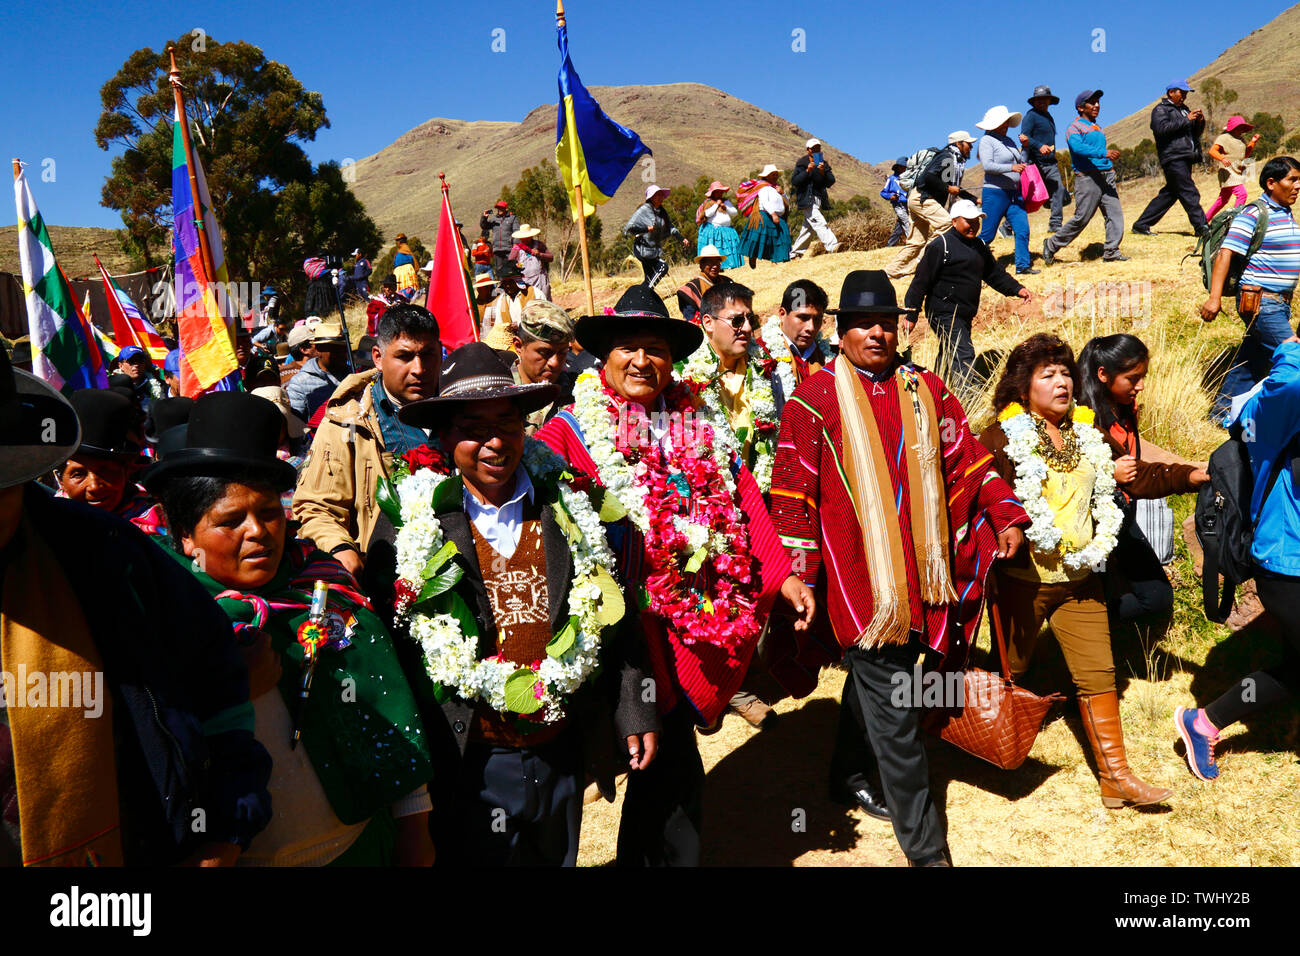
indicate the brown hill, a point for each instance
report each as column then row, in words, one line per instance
column 1261, row 67
column 694, row 130
column 75, row 247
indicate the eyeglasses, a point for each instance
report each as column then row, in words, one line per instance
column 744, row 318
column 486, row 431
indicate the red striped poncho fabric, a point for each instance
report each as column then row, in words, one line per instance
column 815, row 516
column 706, row 675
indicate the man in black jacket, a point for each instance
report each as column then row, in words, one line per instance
column 947, row 282
column 1177, row 132
column 139, row 748
column 811, row 178
column 927, row 202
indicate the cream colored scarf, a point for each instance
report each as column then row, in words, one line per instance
column 867, row 471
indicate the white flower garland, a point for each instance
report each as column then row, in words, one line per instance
column 592, row 410
column 1031, row 473
column 450, row 656
column 702, row 370
column 778, row 346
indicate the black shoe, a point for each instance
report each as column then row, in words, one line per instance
column 864, row 796
column 1048, row 257
column 1117, row 257
column 935, row 859
column 1141, row 230
column 1027, row 272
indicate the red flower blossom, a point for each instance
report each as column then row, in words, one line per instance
column 426, row 457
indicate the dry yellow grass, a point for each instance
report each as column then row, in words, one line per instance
column 1048, row 811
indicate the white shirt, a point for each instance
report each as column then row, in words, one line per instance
column 771, row 201
column 501, row 527
column 722, row 214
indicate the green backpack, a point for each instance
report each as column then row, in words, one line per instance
column 1208, row 244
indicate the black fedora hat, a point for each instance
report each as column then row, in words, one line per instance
column 475, row 372
column 39, row 429
column 638, row 310
column 228, row 433
column 107, row 419
column 867, row 292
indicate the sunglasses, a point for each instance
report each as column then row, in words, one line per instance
column 486, row 431
column 744, row 318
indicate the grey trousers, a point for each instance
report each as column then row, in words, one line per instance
column 1092, row 191
column 1052, row 179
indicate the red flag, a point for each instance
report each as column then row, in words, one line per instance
column 130, row 327
column 450, row 299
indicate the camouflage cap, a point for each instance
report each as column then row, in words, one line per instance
column 546, row 321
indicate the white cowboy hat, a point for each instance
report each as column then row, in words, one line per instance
column 768, row 170
column 525, row 232
column 996, row 116
column 709, row 252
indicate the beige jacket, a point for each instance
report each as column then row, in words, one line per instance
column 335, row 497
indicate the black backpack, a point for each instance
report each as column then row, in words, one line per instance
column 1223, row 523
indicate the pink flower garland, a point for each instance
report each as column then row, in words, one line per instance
column 732, row 621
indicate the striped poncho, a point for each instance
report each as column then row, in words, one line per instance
column 815, row 515
column 706, row 675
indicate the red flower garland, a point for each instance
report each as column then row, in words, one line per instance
column 732, row 621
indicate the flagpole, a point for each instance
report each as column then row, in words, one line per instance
column 577, row 192
column 135, row 338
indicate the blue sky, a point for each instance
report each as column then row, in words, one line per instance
column 862, row 83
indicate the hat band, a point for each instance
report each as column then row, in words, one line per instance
column 476, row 383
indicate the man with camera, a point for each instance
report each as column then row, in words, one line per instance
column 811, row 178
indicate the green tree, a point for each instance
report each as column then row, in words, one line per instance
column 1271, row 129
column 1137, row 162
column 248, row 117
column 1216, row 98
column 540, row 199
column 843, row 207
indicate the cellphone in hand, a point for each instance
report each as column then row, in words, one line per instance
column 817, row 158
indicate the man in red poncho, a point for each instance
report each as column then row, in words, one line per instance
column 693, row 541
column 888, row 506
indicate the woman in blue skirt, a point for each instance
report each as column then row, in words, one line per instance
column 714, row 219
column 768, row 236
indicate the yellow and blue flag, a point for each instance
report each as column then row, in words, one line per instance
column 591, row 150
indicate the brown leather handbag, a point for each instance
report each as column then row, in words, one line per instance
column 999, row 720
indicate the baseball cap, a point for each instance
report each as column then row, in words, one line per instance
column 129, row 353
column 299, row 336
column 546, row 321
column 965, row 209
column 502, row 204
column 172, row 363
column 960, row 136
column 1086, row 96
column 812, row 142
column 1179, row 85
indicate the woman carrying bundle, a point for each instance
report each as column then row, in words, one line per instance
column 767, row 236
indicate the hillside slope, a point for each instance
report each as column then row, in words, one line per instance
column 694, row 130
column 1262, row 67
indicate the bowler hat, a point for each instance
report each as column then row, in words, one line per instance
column 475, row 372
column 638, row 310
column 39, row 429
column 165, row 413
column 867, row 292
column 107, row 418
column 228, row 433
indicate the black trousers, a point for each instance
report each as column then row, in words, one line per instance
column 1178, row 187
column 664, row 805
column 876, row 735
column 500, row 262
column 1258, row 691
column 1136, row 583
column 521, row 806
column 654, row 269
column 956, row 357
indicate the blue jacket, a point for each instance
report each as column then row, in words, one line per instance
column 1087, row 146
column 1270, row 420
column 893, row 192
column 181, row 714
column 1041, row 130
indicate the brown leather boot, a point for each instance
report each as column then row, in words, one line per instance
column 1119, row 785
